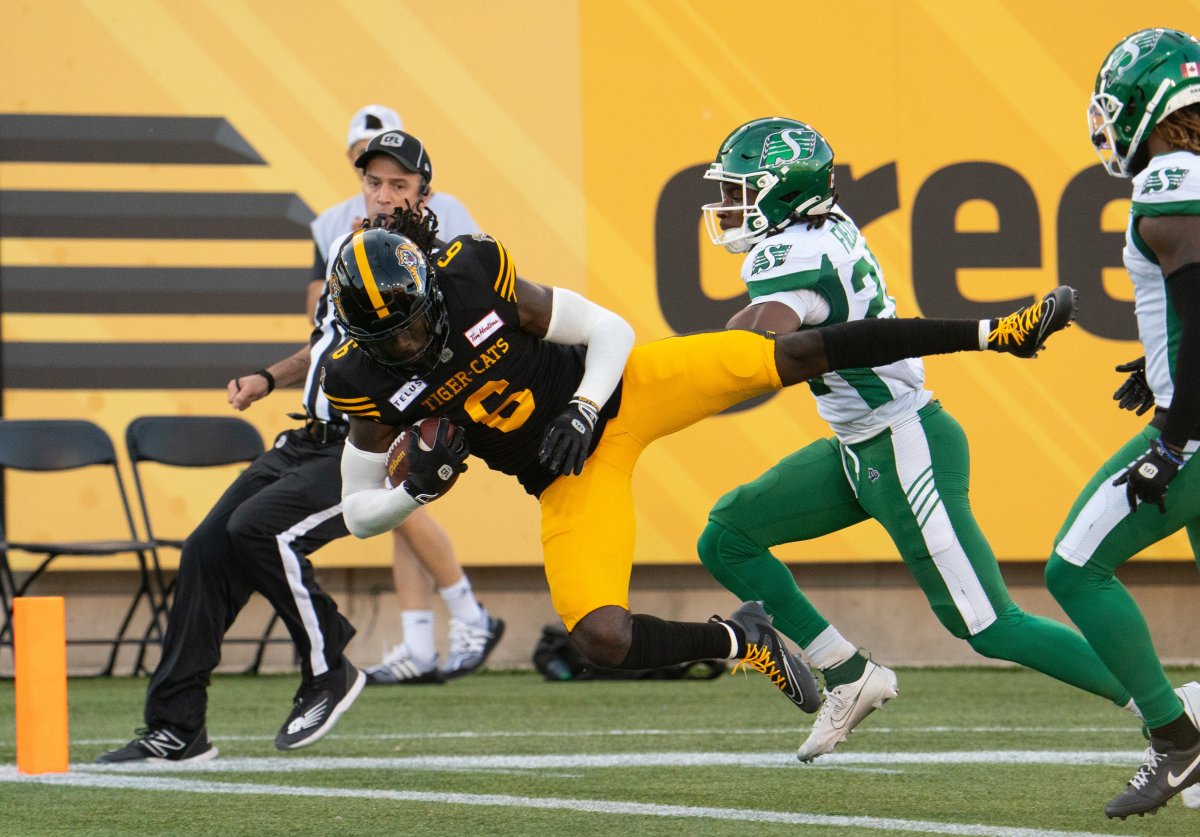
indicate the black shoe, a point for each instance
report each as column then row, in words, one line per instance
column 1165, row 773
column 1023, row 333
column 163, row 745
column 318, row 705
column 766, row 652
column 470, row 646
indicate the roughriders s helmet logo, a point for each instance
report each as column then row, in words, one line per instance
column 1129, row 52
column 787, row 146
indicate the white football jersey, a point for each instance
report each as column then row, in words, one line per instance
column 1169, row 185
column 829, row 275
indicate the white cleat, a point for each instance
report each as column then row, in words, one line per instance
column 1189, row 693
column 845, row 707
column 1191, row 797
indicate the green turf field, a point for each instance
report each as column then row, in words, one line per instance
column 961, row 751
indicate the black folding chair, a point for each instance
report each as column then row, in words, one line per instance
column 62, row 445
column 194, row 442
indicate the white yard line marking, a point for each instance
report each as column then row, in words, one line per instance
column 576, row 761
column 789, row 730
column 112, row 781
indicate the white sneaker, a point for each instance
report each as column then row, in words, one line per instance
column 1189, row 693
column 845, row 707
column 470, row 645
column 398, row 668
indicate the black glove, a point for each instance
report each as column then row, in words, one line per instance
column 1135, row 394
column 1147, row 479
column 568, row 437
column 431, row 473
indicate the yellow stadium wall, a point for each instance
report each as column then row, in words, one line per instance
column 563, row 127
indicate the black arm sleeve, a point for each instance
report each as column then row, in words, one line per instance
column 1183, row 419
column 866, row 343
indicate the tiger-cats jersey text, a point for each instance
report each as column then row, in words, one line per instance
column 501, row 384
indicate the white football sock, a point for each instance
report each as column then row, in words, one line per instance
column 418, row 635
column 462, row 604
column 829, row 649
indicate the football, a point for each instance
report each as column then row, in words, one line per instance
column 424, row 432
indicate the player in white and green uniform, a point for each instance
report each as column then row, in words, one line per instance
column 1145, row 115
column 896, row 455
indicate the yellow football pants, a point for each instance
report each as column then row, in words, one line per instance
column 588, row 520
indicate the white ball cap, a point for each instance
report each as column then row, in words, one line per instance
column 370, row 121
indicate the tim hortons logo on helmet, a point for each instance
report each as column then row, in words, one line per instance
column 788, row 146
column 392, row 139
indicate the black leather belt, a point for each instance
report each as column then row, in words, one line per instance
column 328, row 432
column 323, row 432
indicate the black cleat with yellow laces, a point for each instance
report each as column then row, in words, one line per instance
column 765, row 652
column 1023, row 333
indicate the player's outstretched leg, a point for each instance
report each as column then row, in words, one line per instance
column 767, row 653
column 845, row 707
column 1024, row 332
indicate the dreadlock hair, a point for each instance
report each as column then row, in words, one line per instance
column 1180, row 129
column 416, row 224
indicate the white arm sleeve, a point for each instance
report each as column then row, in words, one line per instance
column 368, row 506
column 576, row 321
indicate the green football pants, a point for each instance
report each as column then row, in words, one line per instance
column 913, row 479
column 1100, row 534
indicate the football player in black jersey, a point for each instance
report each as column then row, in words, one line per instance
column 549, row 388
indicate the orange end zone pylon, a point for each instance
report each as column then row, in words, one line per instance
column 40, row 661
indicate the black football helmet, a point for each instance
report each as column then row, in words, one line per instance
column 385, row 294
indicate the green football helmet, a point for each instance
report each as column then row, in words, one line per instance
column 783, row 170
column 1147, row 76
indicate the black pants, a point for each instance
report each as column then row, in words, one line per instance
column 258, row 536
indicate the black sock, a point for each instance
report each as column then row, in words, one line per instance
column 1180, row 733
column 657, row 642
column 865, row 343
